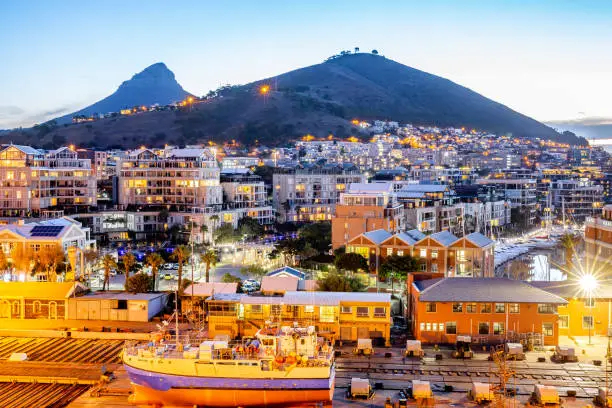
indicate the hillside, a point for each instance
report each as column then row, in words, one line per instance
column 319, row 99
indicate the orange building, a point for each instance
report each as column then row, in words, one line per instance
column 442, row 252
column 583, row 314
column 366, row 207
column 490, row 310
column 598, row 242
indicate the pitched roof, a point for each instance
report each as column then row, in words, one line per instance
column 445, row 238
column 308, row 285
column 484, row 290
column 333, row 298
column 189, row 153
column 287, row 271
column 205, row 289
column 479, row 240
column 369, row 188
column 411, row 237
column 377, row 236
column 279, row 283
column 25, row 149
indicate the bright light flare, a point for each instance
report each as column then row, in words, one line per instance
column 588, row 283
column 264, row 89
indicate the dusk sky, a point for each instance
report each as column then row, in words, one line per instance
column 550, row 60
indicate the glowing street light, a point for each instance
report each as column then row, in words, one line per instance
column 588, row 283
column 264, row 89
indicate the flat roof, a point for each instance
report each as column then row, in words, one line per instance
column 121, row 296
column 205, row 289
column 39, row 290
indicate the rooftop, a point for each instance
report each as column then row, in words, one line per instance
column 206, row 289
column 445, row 238
column 40, row 290
column 572, row 289
column 369, row 188
column 279, row 283
column 377, row 236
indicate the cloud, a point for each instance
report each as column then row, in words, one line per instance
column 7, row 112
column 59, row 111
column 588, row 121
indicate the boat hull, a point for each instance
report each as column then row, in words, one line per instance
column 156, row 389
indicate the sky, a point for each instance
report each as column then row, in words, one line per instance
column 551, row 60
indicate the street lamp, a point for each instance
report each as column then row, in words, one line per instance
column 588, row 283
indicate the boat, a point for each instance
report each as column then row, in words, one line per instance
column 280, row 366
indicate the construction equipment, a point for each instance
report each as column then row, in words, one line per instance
column 463, row 347
column 603, row 398
column 564, row 354
column 481, row 393
column 360, row 388
column 421, row 392
column 364, row 347
column 413, row 348
column 514, row 351
column 545, row 395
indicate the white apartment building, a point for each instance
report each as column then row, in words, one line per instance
column 179, row 179
column 519, row 192
column 245, row 195
column 32, row 180
column 239, row 162
column 488, row 217
column 311, row 193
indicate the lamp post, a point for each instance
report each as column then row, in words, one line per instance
column 588, row 283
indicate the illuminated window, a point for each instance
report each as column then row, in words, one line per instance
column 309, row 308
column 471, row 308
column 485, row 308
column 346, row 309
column 326, row 314
column 587, row 323
column 547, row 328
column 430, row 307
column 441, row 327
column 457, row 307
column 498, row 328
column 546, row 308
column 514, row 308
column 563, row 321
column 423, row 253
column 500, row 308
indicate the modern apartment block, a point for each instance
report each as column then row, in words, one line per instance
column 519, row 192
column 246, row 194
column 311, row 193
column 576, row 199
column 179, row 179
column 33, row 180
column 366, row 207
column 598, row 242
column 98, row 160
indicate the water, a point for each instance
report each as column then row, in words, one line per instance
column 539, row 265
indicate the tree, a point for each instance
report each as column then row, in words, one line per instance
column 351, row 262
column 336, row 282
column 154, row 260
column 21, row 258
column 397, row 267
column 129, row 260
column 181, row 255
column 108, row 263
column 3, row 260
column 210, row 259
column 250, row 227
column 90, row 256
column 48, row 259
column 229, row 278
column 318, row 235
column 568, row 242
column 225, row 234
column 375, row 52
column 139, row 283
column 289, row 248
column 255, row 271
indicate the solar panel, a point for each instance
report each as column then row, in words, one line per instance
column 46, row 231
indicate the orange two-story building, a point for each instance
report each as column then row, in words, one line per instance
column 490, row 310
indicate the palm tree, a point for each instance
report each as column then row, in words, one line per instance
column 210, row 259
column 154, row 260
column 90, row 256
column 180, row 255
column 108, row 263
column 214, row 219
column 129, row 260
column 568, row 242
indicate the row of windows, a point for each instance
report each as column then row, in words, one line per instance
column 484, row 328
column 587, row 322
column 514, row 308
column 361, row 311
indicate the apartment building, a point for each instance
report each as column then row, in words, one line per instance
column 310, row 193
column 576, row 199
column 32, row 181
column 98, row 159
column 519, row 192
column 366, row 207
column 344, row 316
column 179, row 179
column 489, row 310
column 598, row 241
column 246, row 194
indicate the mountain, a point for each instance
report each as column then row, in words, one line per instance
column 591, row 128
column 320, row 99
column 155, row 84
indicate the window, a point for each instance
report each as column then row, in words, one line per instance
column 422, row 326
column 485, row 308
column 400, row 252
column 547, row 329
column 276, row 309
column 563, row 321
column 483, row 328
column 434, row 254
column 389, row 251
column 428, row 326
column 546, row 308
column 451, row 327
column 309, row 308
column 514, row 308
column 326, row 314
column 589, row 302
column 441, row 327
column 346, row 309
column 470, row 308
column 434, row 268
column 363, row 311
column 434, row 326
column 423, row 253
column 380, row 312
column 587, row 322
column 423, row 267
column 457, row 307
column 255, row 308
column 500, row 308
column 498, row 328
column 430, row 307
